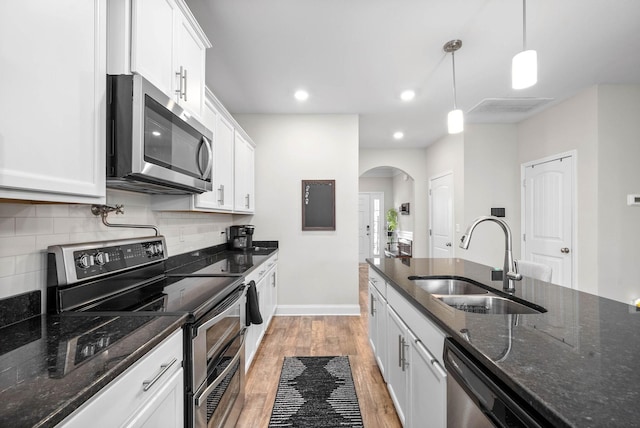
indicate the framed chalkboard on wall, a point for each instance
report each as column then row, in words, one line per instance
column 318, row 205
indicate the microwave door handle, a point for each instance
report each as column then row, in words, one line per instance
column 204, row 142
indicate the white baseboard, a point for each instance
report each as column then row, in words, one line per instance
column 308, row 310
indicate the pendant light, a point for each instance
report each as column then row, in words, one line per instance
column 524, row 67
column 455, row 119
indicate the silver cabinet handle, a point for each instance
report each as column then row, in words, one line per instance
column 400, row 351
column 147, row 384
column 179, row 90
column 373, row 309
column 221, row 194
column 247, row 197
column 564, row 250
column 184, row 76
column 405, row 345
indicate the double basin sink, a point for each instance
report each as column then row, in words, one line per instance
column 470, row 297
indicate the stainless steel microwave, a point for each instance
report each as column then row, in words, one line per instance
column 153, row 145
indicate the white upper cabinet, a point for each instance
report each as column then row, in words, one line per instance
column 52, row 108
column 162, row 41
column 244, row 162
column 221, row 198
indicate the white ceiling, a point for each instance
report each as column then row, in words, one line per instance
column 356, row 56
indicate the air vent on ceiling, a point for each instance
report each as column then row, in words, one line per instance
column 504, row 106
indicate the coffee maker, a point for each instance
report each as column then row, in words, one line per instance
column 240, row 237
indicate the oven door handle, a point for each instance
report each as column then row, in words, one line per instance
column 232, row 307
column 204, row 394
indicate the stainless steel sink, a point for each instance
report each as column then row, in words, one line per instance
column 447, row 286
column 488, row 305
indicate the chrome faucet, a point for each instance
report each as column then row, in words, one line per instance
column 509, row 270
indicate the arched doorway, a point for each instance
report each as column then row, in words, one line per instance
column 381, row 190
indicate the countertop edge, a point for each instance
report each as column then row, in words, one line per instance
column 524, row 393
column 87, row 393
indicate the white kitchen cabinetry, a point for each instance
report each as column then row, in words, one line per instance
column 378, row 326
column 414, row 345
column 162, row 41
column 148, row 394
column 217, row 119
column 427, row 393
column 397, row 370
column 266, row 286
column 244, row 175
column 52, row 109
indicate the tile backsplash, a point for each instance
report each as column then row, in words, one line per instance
column 26, row 230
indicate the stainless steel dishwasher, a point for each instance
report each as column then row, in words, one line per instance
column 476, row 399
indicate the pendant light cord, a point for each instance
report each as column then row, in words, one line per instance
column 524, row 25
column 453, row 63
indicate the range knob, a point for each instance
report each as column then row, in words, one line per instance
column 84, row 261
column 100, row 258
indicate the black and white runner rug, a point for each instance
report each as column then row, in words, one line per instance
column 316, row 392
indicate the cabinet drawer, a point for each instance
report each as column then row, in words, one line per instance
column 376, row 280
column 424, row 329
column 126, row 393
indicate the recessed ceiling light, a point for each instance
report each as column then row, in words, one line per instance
column 407, row 95
column 301, row 95
column 398, row 135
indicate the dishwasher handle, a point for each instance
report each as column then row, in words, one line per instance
column 501, row 405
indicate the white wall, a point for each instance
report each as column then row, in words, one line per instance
column 26, row 230
column 572, row 125
column 491, row 180
column 618, row 241
column 413, row 163
column 320, row 274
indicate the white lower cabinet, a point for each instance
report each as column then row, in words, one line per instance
column 148, row 394
column 427, row 387
column 412, row 346
column 377, row 327
column 266, row 287
column 398, row 369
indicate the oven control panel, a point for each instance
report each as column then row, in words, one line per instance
column 112, row 259
column 76, row 262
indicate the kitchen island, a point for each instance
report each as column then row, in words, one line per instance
column 577, row 364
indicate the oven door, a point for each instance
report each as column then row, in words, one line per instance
column 219, row 400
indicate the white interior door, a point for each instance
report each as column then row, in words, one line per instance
column 441, row 216
column 548, row 216
column 365, row 227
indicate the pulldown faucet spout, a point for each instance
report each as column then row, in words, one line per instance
column 510, row 270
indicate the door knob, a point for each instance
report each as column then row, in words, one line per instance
column 448, row 244
column 564, row 250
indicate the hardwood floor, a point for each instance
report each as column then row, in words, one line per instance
column 319, row 335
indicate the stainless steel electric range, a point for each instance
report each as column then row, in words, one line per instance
column 128, row 276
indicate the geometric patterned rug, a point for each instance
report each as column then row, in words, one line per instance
column 316, row 392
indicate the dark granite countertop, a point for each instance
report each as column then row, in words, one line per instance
column 41, row 380
column 578, row 363
column 43, row 375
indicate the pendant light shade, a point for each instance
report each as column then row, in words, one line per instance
column 455, row 121
column 524, row 67
column 455, row 118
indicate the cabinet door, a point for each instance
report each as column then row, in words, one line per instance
column 244, row 175
column 397, row 375
column 165, row 409
column 152, row 42
column 52, row 108
column 379, row 319
column 224, row 163
column 190, row 61
column 427, row 387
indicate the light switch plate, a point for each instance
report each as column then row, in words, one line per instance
column 633, row 200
